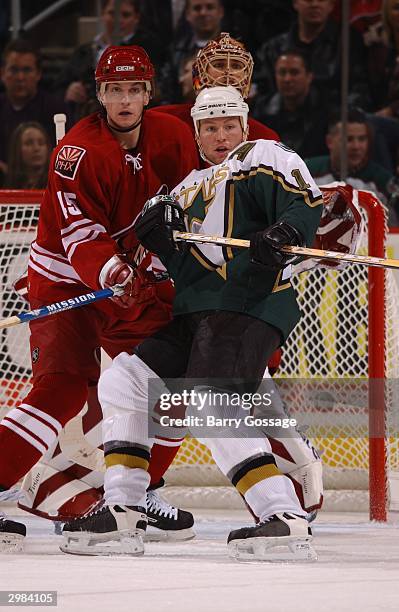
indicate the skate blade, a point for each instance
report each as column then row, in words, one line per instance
column 284, row 549
column 11, row 543
column 153, row 534
column 128, row 543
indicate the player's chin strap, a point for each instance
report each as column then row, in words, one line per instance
column 118, row 129
column 128, row 129
column 201, row 151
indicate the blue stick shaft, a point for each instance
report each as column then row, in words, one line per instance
column 75, row 302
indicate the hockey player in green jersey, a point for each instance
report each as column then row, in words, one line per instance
column 232, row 310
column 261, row 184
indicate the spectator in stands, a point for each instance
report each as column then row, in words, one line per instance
column 165, row 19
column 295, row 112
column 384, row 62
column 385, row 140
column 362, row 173
column 5, row 10
column 255, row 21
column 393, row 195
column 29, row 157
column 77, row 79
column 23, row 100
column 205, row 19
column 187, row 93
column 252, row 22
column 318, row 36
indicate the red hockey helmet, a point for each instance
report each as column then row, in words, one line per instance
column 125, row 63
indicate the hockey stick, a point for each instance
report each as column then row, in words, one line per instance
column 60, row 121
column 365, row 260
column 56, row 307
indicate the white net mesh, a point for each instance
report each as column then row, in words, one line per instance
column 17, row 230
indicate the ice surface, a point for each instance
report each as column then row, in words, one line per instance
column 357, row 571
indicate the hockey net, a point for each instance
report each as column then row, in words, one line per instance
column 346, row 343
column 350, row 331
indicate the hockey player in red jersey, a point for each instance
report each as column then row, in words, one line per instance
column 101, row 174
column 223, row 61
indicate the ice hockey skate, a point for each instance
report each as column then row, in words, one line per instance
column 165, row 522
column 110, row 530
column 281, row 537
column 12, row 535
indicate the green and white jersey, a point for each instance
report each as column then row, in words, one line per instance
column 260, row 183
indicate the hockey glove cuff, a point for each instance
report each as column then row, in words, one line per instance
column 265, row 245
column 138, row 285
column 154, row 227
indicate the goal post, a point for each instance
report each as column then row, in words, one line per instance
column 377, row 370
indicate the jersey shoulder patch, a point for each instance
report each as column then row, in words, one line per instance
column 68, row 160
column 243, row 151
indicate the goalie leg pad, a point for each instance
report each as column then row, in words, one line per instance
column 308, row 483
column 297, row 458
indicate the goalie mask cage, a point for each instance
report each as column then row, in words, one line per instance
column 349, row 330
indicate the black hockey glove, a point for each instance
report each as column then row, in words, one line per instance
column 154, row 227
column 265, row 246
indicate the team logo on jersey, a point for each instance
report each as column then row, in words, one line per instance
column 68, row 160
column 35, row 354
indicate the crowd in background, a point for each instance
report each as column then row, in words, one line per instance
column 296, row 46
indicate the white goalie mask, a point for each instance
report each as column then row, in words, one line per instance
column 217, row 102
column 223, row 61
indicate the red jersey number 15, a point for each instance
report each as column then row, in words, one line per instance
column 68, row 204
